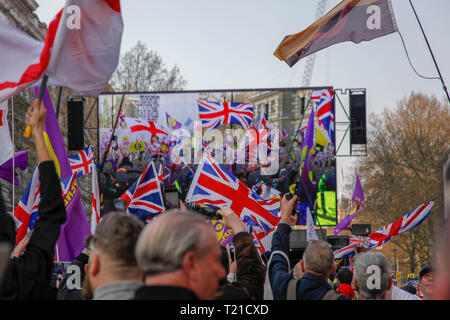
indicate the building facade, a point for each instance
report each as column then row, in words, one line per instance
column 21, row 13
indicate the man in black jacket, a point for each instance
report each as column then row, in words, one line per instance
column 317, row 263
column 28, row 276
column 250, row 270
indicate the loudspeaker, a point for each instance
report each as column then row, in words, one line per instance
column 338, row 242
column 75, row 123
column 297, row 239
column 358, row 117
column 361, row 229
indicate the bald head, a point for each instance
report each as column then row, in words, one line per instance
column 164, row 242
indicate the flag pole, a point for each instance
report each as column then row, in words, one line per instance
column 13, row 158
column 431, row 52
column 27, row 132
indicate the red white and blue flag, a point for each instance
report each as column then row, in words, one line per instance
column 215, row 186
column 215, row 114
column 144, row 197
column 324, row 100
column 26, row 213
column 382, row 235
column 406, row 223
column 82, row 162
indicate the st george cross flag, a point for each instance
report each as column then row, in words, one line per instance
column 143, row 126
column 95, row 210
column 81, row 49
column 9, row 160
column 215, row 114
column 310, row 228
column 82, row 162
column 324, row 100
column 215, row 186
column 144, row 197
column 350, row 20
column 76, row 227
column 7, row 149
column 358, row 198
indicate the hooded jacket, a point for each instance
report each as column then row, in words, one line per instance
column 28, row 277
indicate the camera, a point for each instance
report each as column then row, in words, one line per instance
column 120, row 205
column 210, row 212
column 171, row 198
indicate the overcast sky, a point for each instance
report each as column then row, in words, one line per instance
column 230, row 45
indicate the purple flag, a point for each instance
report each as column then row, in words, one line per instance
column 358, row 198
column 76, row 228
column 172, row 123
column 20, row 161
column 358, row 193
column 307, row 148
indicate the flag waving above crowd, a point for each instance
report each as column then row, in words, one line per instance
column 81, row 53
column 350, row 20
column 384, row 234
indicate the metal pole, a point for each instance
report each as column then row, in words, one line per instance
column 112, row 135
column 431, row 52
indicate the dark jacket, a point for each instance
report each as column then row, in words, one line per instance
column 309, row 287
column 64, row 293
column 250, row 272
column 164, row 293
column 28, row 277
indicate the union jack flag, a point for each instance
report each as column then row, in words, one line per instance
column 348, row 250
column 324, row 100
column 383, row 235
column 214, row 114
column 405, row 223
column 261, row 121
column 144, row 197
column 26, row 213
column 215, row 186
column 360, row 241
column 82, row 162
column 121, row 117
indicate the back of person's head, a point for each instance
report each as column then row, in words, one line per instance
column 318, row 257
column 344, row 275
column 116, row 236
column 164, row 241
column 372, row 273
column 179, row 248
column 442, row 262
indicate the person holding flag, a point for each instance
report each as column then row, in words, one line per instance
column 28, row 273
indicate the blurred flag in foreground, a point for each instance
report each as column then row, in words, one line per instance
column 350, row 20
column 81, row 49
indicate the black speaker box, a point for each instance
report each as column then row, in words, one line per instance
column 361, row 229
column 358, row 118
column 297, row 238
column 75, row 123
column 338, row 242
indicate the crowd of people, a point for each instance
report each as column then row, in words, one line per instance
column 177, row 256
